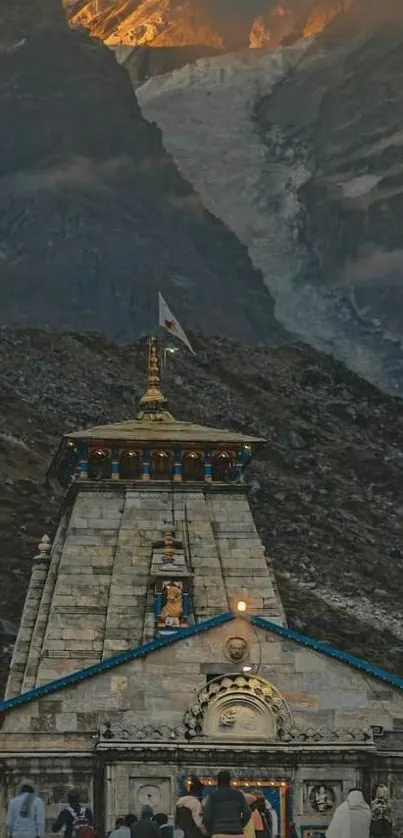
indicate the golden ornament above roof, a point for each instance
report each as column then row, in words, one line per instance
column 153, row 401
column 155, row 424
column 154, row 446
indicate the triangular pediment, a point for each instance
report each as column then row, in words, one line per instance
column 160, row 643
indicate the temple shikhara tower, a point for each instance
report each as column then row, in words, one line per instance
column 153, row 643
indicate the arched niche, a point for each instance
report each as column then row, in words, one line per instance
column 130, row 465
column 222, row 467
column 99, row 463
column 237, row 708
column 161, row 464
column 192, row 465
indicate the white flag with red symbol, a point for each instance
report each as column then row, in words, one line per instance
column 171, row 324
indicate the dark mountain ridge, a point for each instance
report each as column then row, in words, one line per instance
column 95, row 218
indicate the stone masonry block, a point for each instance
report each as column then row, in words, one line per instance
column 66, row 722
column 78, row 634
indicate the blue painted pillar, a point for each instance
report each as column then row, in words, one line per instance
column 178, row 465
column 115, row 463
column 208, row 468
column 157, row 605
column 83, row 460
column 146, row 464
column 239, row 465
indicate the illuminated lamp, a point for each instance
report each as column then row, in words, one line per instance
column 241, row 606
column 246, row 669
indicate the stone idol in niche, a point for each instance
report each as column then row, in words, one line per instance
column 381, row 813
column 172, row 609
column 322, row 798
column 236, row 649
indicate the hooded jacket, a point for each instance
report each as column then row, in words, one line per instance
column 189, row 816
column 352, row 819
column 145, row 827
column 226, row 812
column 26, row 816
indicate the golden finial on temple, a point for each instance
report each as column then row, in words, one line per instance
column 153, row 402
column 169, row 544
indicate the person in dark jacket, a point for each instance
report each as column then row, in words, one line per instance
column 266, row 822
column 130, row 820
column 166, row 830
column 145, row 827
column 68, row 815
column 189, row 811
column 226, row 811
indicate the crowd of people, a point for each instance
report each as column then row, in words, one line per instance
column 226, row 812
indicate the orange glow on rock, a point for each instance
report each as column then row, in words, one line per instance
column 185, row 23
column 322, row 15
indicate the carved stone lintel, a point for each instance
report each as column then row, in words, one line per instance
column 148, row 733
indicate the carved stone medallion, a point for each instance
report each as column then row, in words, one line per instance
column 239, row 707
column 236, row 649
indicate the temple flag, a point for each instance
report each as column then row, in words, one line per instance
column 171, row 324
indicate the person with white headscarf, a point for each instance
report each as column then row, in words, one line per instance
column 352, row 819
column 26, row 814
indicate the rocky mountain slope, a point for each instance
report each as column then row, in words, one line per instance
column 94, row 217
column 299, row 152
column 156, row 36
column 327, row 490
column 339, row 116
column 228, row 25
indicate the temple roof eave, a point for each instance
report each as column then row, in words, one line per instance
column 140, row 431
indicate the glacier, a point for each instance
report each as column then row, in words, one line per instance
column 206, row 114
column 251, row 181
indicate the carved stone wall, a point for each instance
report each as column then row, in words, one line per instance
column 97, row 595
column 323, row 695
column 52, row 777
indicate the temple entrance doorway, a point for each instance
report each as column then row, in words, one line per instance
column 276, row 794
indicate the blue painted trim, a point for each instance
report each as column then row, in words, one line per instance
column 330, row 651
column 82, row 452
column 115, row 660
column 182, row 634
column 157, row 605
column 177, row 470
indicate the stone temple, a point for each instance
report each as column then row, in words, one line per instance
column 153, row 643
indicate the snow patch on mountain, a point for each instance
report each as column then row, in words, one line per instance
column 206, row 113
